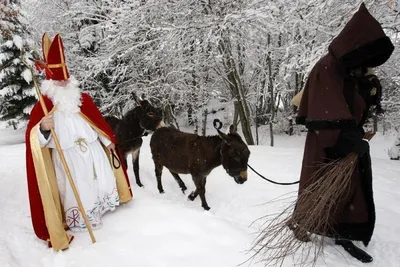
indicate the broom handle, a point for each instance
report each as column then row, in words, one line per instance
column 64, row 162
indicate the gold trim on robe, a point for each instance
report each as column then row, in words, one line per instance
column 48, row 188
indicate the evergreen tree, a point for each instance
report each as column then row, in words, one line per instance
column 16, row 87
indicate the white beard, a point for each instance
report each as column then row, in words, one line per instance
column 66, row 99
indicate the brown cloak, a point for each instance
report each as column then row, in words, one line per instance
column 331, row 105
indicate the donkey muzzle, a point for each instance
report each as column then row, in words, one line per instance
column 241, row 178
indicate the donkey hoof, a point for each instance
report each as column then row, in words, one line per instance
column 183, row 190
column 191, row 196
column 139, row 184
column 206, row 207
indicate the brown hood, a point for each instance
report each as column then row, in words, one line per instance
column 362, row 42
column 326, row 102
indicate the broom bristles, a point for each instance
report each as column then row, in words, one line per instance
column 313, row 211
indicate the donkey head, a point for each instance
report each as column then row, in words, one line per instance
column 150, row 117
column 235, row 155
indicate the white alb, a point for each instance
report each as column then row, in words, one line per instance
column 88, row 163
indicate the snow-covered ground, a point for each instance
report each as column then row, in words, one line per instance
column 168, row 230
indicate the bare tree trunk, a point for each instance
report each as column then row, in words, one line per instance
column 196, row 125
column 190, row 114
column 272, row 104
column 271, row 133
column 258, row 111
column 204, row 130
column 375, row 123
column 169, row 116
column 176, row 122
column 290, row 126
column 234, row 83
column 384, row 129
column 236, row 113
column 257, row 125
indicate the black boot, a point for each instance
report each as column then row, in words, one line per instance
column 354, row 251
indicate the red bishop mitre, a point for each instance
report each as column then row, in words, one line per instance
column 54, row 58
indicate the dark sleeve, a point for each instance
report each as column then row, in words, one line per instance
column 349, row 140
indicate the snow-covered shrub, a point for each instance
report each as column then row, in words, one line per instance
column 394, row 151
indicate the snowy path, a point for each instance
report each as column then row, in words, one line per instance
column 167, row 230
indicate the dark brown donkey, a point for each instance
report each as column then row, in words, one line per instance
column 130, row 129
column 188, row 153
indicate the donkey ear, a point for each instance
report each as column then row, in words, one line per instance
column 232, row 129
column 135, row 98
column 223, row 136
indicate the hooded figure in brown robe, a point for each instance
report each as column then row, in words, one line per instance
column 334, row 108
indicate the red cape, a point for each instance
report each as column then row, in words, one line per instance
column 90, row 110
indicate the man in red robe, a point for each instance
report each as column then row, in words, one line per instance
column 87, row 143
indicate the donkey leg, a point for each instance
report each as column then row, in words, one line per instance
column 135, row 163
column 202, row 193
column 179, row 181
column 158, row 170
column 200, row 183
column 193, row 195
